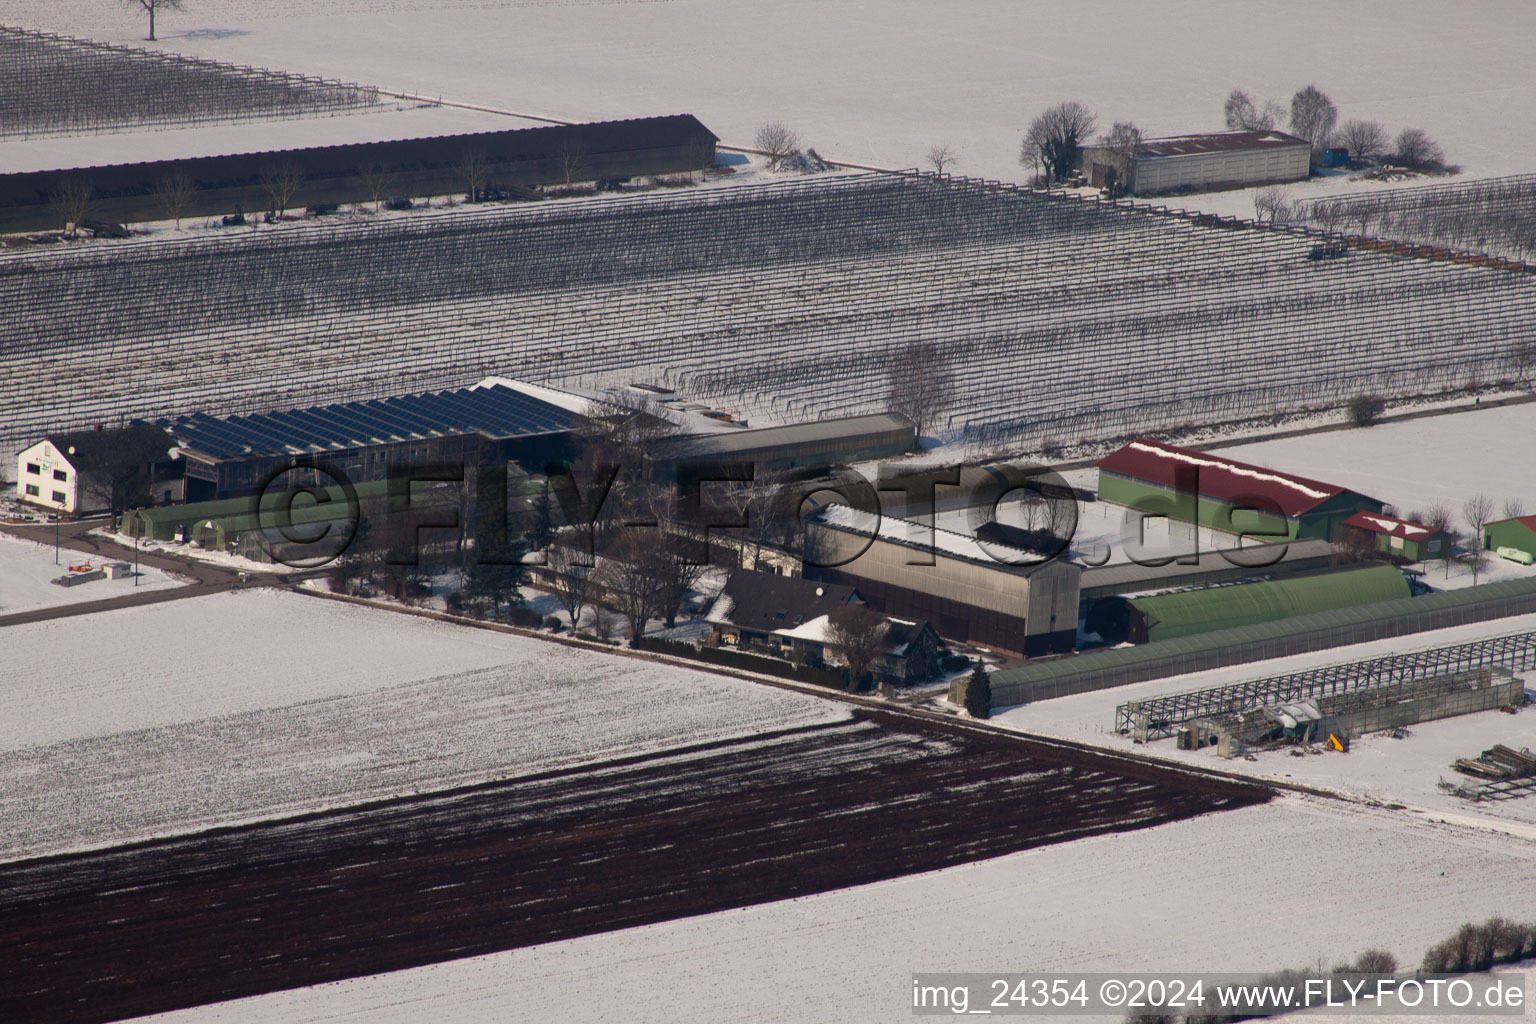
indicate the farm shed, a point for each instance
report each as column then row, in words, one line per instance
column 1190, row 612
column 1518, row 533
column 1206, row 162
column 1224, row 494
column 903, row 568
column 816, row 444
column 493, row 422
column 1401, row 537
column 1258, row 562
column 520, row 157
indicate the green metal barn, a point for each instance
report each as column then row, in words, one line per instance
column 1224, row 494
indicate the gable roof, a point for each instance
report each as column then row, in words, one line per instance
column 1391, row 525
column 766, row 603
column 143, row 437
column 1225, row 480
column 1529, row 522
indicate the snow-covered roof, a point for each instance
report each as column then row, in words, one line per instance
column 915, row 534
column 1216, row 142
column 1223, row 479
column 1391, row 525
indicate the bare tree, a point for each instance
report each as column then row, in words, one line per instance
column 72, row 201
column 1513, row 508
column 377, row 182
column 174, row 194
column 941, row 158
column 777, row 140
column 1240, row 112
column 1312, row 116
column 1123, row 141
column 1271, row 202
column 1476, row 510
column 475, row 169
column 1055, row 138
column 1414, row 148
column 1525, row 361
column 922, row 386
column 1326, row 214
column 150, row 7
column 678, row 574
column 569, row 578
column 281, row 182
column 633, row 576
column 1242, row 115
column 1365, row 140
column 572, row 158
column 855, row 631
column 701, row 156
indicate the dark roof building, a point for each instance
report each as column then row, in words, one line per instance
column 1224, row 494
column 495, row 420
column 761, row 603
column 513, row 158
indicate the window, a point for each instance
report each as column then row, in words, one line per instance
column 34, row 469
column 59, row 474
column 32, row 490
column 58, row 496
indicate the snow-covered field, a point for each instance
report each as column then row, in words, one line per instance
column 1380, row 768
column 27, row 567
column 1418, row 462
column 1215, row 893
column 297, row 703
column 881, row 82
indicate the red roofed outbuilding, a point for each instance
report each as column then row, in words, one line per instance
column 1402, row 537
column 1512, row 535
column 1224, row 494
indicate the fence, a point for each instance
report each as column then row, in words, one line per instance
column 1495, row 215
column 1399, row 673
column 51, row 84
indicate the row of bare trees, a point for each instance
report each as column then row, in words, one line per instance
column 1313, row 116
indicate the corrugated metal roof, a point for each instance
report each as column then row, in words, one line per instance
column 1189, row 612
column 1124, row 577
column 737, row 442
column 1223, row 479
column 1216, row 142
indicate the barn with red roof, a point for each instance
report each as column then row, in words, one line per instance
column 1402, row 538
column 1512, row 538
column 1224, row 494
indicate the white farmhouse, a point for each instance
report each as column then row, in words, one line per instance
column 46, row 476
column 56, row 473
column 1199, row 163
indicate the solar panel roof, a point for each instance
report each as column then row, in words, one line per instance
column 496, row 412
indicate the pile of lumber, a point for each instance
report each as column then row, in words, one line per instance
column 1499, row 762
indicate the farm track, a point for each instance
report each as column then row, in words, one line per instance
column 163, row 925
